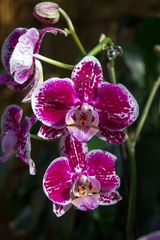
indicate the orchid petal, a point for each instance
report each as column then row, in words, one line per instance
column 57, row 181
column 60, row 210
column 87, row 76
column 109, row 198
column 37, row 80
column 102, row 166
column 151, row 236
column 9, row 45
column 21, row 60
column 86, row 203
column 52, row 99
column 11, row 119
column 9, row 142
column 8, row 81
column 119, row 109
column 4, row 157
column 114, row 137
column 49, row 133
column 75, row 151
column 23, row 143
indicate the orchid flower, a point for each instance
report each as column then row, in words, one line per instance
column 81, row 178
column 85, row 105
column 22, row 69
column 15, row 136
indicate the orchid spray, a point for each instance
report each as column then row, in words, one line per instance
column 75, row 108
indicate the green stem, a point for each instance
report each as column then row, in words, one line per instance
column 36, row 137
column 113, row 74
column 146, row 109
column 72, row 31
column 53, row 62
column 131, row 151
column 101, row 46
column 132, row 191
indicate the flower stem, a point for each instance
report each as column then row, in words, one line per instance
column 132, row 191
column 72, row 31
column 113, row 74
column 36, row 137
column 53, row 62
column 144, row 115
column 101, row 46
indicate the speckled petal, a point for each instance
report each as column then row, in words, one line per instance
column 37, row 80
column 9, row 142
column 87, row 76
column 118, row 107
column 57, row 181
column 113, row 137
column 60, row 210
column 75, row 151
column 49, row 133
column 109, row 198
column 87, row 203
column 102, row 166
column 11, row 119
column 52, row 99
column 9, row 45
column 23, row 145
column 21, row 60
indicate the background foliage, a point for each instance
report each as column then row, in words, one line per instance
column 26, row 213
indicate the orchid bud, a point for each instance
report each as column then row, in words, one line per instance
column 47, row 12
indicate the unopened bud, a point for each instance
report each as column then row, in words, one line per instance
column 47, row 12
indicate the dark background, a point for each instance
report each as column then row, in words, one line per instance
column 25, row 212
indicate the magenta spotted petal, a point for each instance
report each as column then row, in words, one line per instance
column 37, row 80
column 114, row 137
column 21, row 60
column 49, row 133
column 109, row 198
column 9, row 45
column 59, row 210
column 16, row 136
column 102, row 166
column 57, row 181
column 87, row 76
column 118, row 107
column 52, row 100
column 75, row 151
column 11, row 119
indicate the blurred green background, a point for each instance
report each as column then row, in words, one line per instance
column 26, row 213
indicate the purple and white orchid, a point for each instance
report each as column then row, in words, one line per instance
column 18, row 59
column 16, row 136
column 85, row 105
column 81, row 178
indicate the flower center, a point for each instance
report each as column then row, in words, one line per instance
column 82, row 116
column 85, row 186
